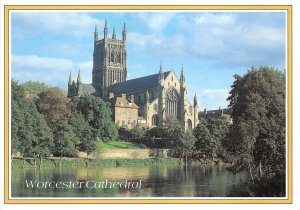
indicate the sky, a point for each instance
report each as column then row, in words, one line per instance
column 212, row 46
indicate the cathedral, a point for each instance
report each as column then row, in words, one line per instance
column 157, row 95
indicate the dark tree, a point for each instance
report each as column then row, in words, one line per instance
column 31, row 135
column 54, row 105
column 97, row 114
column 256, row 141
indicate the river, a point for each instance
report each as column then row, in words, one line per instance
column 155, row 181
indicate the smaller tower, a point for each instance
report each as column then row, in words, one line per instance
column 161, row 75
column 182, row 96
column 105, row 31
column 96, row 34
column 114, row 34
column 79, row 84
column 124, row 33
column 70, row 80
column 182, row 76
column 69, row 85
column 195, row 110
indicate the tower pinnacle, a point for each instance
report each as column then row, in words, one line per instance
column 114, row 34
column 79, row 77
column 105, row 29
column 70, row 80
column 124, row 32
column 195, row 100
column 161, row 73
column 182, row 75
column 96, row 33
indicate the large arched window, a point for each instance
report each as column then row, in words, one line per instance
column 155, row 120
column 172, row 102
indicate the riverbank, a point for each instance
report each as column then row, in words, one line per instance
column 83, row 162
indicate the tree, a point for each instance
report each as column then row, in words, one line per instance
column 180, row 141
column 97, row 114
column 84, row 132
column 172, row 130
column 65, row 140
column 30, row 134
column 54, row 105
column 204, row 144
column 137, row 133
column 186, row 144
column 256, row 140
column 35, row 87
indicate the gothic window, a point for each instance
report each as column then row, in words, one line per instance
column 118, row 57
column 172, row 101
column 155, row 120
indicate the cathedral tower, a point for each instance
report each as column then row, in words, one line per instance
column 109, row 59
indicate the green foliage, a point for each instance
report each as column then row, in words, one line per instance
column 35, row 87
column 137, row 133
column 99, row 162
column 186, row 143
column 121, row 145
column 65, row 139
column 97, row 114
column 210, row 133
column 54, row 105
column 204, row 144
column 30, row 134
column 256, row 141
column 180, row 141
column 265, row 187
column 172, row 131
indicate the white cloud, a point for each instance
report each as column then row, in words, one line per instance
column 75, row 24
column 158, row 44
column 213, row 19
column 212, row 99
column 52, row 71
column 155, row 21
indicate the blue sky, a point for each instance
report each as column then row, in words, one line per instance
column 212, row 46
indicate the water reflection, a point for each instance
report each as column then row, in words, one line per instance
column 157, row 181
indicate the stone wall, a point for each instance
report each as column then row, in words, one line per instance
column 130, row 153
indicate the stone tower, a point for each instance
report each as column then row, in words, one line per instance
column 109, row 59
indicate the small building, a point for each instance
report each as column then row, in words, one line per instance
column 124, row 110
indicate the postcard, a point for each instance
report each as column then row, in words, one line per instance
column 148, row 104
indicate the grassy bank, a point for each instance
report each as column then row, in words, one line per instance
column 121, row 145
column 81, row 162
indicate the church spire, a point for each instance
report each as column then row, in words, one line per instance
column 70, row 80
column 124, row 32
column 182, row 76
column 79, row 84
column 195, row 100
column 114, row 34
column 105, row 29
column 79, row 77
column 161, row 73
column 96, row 33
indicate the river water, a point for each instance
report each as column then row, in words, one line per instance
column 148, row 181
